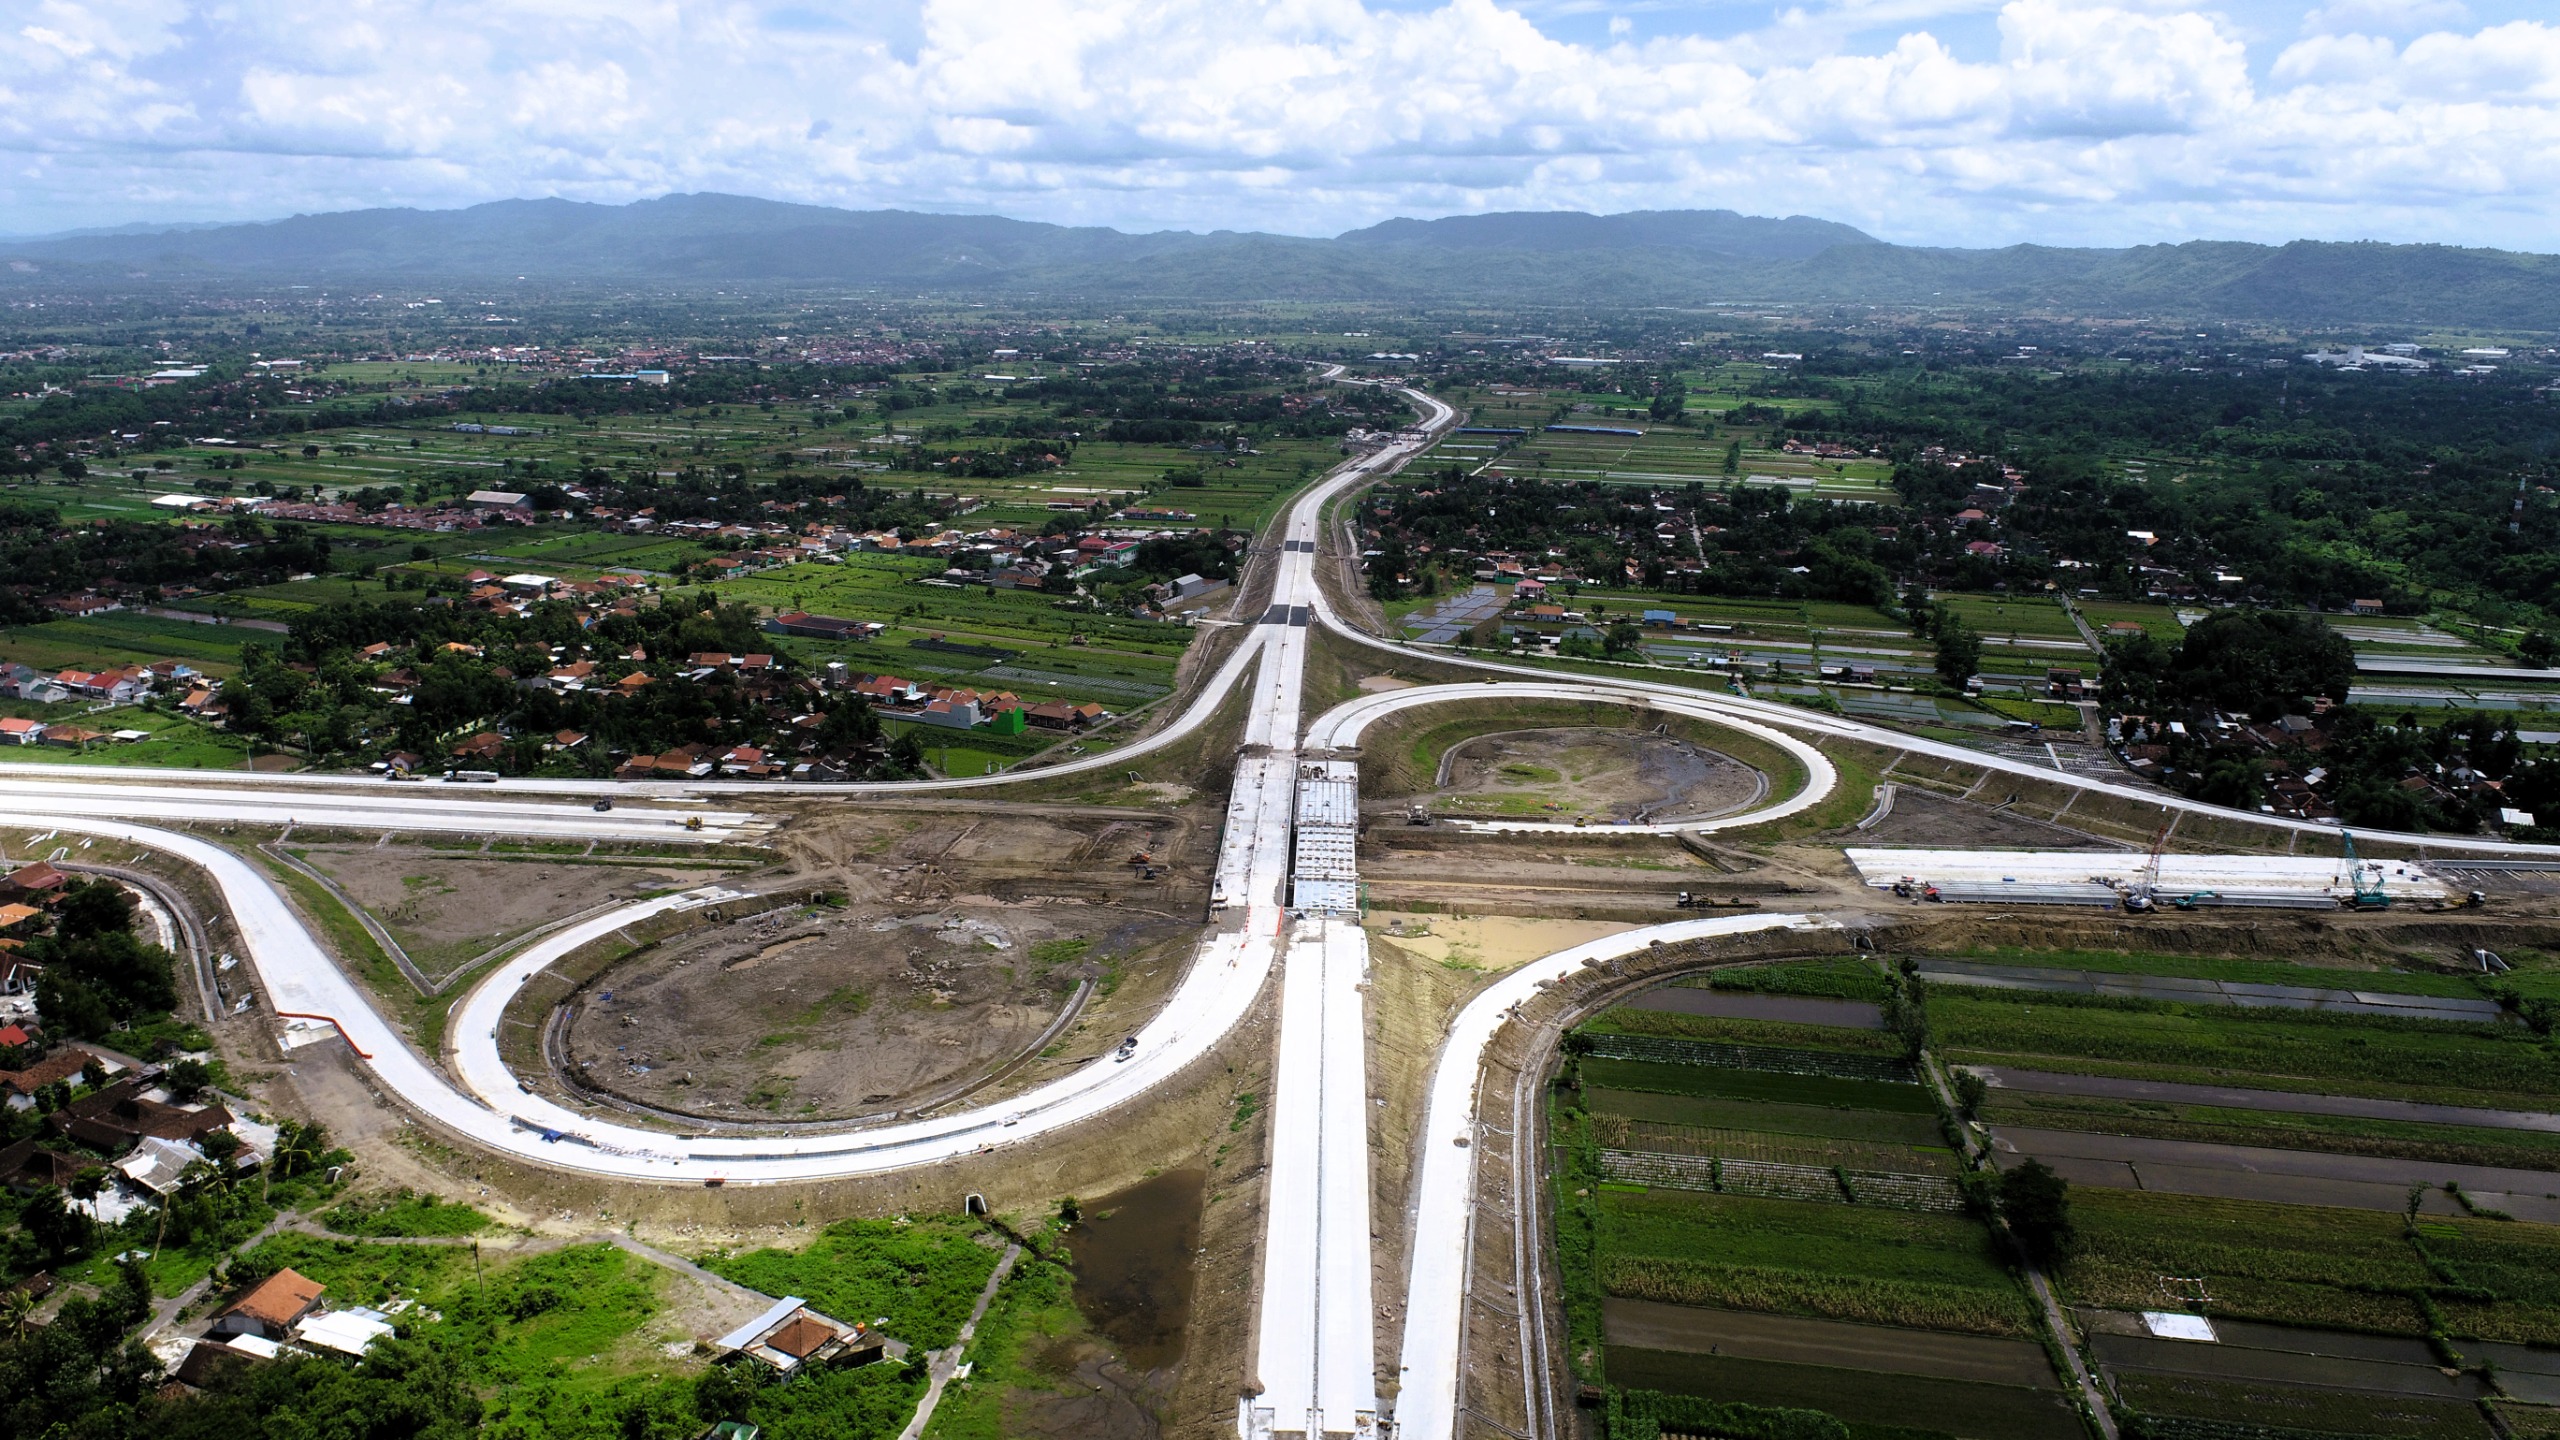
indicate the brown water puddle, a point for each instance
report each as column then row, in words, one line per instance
column 1133, row 1265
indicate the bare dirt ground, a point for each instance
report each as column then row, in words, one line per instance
column 1921, row 818
column 845, row 1012
column 1594, row 774
column 1593, row 876
column 966, row 933
column 1486, row 942
column 447, row 908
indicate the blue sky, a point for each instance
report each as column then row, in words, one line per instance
column 1960, row 122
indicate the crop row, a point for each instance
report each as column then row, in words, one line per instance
column 1765, row 1058
column 1779, row 1180
column 1865, row 1299
column 1753, row 1143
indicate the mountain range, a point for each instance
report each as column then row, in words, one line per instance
column 1643, row 258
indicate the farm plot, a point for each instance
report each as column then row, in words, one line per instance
column 1014, row 640
column 126, row 637
column 1784, row 1185
column 2467, row 1277
column 2444, row 1141
column 2318, row 1174
column 2495, row 1064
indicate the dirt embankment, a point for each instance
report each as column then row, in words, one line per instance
column 1590, row 774
column 976, row 943
column 446, row 907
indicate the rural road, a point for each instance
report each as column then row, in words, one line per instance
column 1315, row 1340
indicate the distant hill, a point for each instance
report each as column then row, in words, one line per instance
column 1664, row 257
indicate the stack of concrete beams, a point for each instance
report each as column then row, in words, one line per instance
column 1324, row 862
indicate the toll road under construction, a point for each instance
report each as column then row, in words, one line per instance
column 1324, row 872
column 1316, row 1356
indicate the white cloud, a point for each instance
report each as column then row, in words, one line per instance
column 1961, row 121
column 2384, row 17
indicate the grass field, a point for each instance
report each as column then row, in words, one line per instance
column 1769, row 1116
column 173, row 740
column 574, row 1344
column 2003, row 617
column 1704, row 1082
column 1112, row 661
column 1629, row 1020
column 404, row 1214
column 923, row 1275
column 2160, row 620
column 127, row 637
column 2311, row 1265
column 1663, row 455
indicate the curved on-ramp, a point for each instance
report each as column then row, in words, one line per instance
column 1728, row 709
column 1445, row 1187
column 492, row 1109
column 1341, row 728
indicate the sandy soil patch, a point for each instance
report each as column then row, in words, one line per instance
column 1487, row 942
column 446, row 908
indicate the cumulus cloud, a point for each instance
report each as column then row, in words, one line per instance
column 2384, row 17
column 2070, row 121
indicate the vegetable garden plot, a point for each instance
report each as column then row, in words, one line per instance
column 1768, row 1059
column 1782, row 1180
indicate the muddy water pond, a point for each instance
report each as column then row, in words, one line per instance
column 1133, row 1265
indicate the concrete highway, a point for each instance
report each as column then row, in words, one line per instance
column 427, row 808
column 1439, row 1260
column 1546, row 684
column 1315, row 1338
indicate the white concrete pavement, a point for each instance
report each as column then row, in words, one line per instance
column 296, row 976
column 427, row 808
column 1440, row 1233
column 1315, row 1360
column 1791, row 718
column 1342, row 726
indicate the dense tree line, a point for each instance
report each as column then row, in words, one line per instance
column 41, row 556
column 98, row 974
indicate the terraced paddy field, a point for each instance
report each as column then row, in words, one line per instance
column 2291, row 1210
column 2319, row 1198
column 1763, row 1215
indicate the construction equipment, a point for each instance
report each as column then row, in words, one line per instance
column 1416, row 815
column 693, row 822
column 2364, row 879
column 2143, row 895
